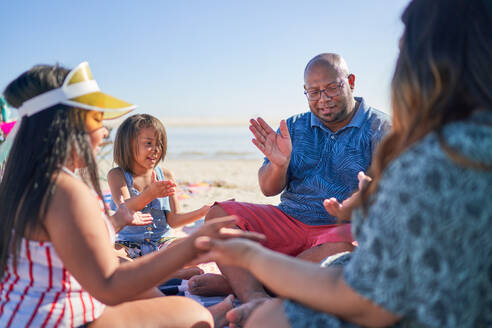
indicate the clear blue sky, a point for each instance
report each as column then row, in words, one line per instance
column 199, row 59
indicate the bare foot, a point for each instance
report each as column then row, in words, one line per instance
column 237, row 317
column 209, row 284
column 187, row 273
column 219, row 311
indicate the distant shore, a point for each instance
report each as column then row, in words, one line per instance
column 203, row 121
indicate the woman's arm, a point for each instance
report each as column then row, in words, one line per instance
column 80, row 237
column 77, row 230
column 320, row 288
column 174, row 217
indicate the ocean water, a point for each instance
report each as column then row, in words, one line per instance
column 204, row 142
column 211, row 142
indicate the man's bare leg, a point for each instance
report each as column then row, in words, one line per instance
column 219, row 311
column 269, row 314
column 320, row 252
column 248, row 289
column 245, row 286
column 209, row 284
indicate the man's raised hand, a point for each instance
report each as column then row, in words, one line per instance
column 276, row 147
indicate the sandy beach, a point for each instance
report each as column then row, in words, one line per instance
column 227, row 179
column 204, row 181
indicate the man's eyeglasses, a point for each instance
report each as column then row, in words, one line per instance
column 331, row 90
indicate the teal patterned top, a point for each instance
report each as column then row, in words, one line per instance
column 425, row 247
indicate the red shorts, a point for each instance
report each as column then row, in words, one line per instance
column 283, row 233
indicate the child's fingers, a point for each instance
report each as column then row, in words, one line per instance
column 165, row 184
column 146, row 216
column 163, row 188
column 154, row 177
column 140, row 219
column 168, row 192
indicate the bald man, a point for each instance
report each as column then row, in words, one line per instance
column 313, row 156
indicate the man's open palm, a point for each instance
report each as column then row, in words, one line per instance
column 276, row 147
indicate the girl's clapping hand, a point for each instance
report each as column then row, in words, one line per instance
column 160, row 189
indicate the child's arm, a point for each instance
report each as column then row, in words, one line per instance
column 117, row 184
column 176, row 219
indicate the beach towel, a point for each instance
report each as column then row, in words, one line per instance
column 180, row 287
column 187, row 190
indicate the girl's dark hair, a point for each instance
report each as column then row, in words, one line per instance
column 125, row 144
column 43, row 144
column 443, row 74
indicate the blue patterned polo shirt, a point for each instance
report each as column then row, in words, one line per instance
column 324, row 164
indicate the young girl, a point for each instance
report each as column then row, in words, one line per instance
column 58, row 266
column 140, row 145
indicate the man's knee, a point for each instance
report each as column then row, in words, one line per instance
column 216, row 211
column 320, row 252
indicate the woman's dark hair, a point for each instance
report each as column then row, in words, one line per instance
column 125, row 144
column 43, row 144
column 443, row 74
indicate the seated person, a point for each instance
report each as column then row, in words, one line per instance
column 424, row 256
column 315, row 155
column 142, row 185
column 57, row 262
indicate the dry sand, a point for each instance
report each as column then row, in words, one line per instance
column 226, row 179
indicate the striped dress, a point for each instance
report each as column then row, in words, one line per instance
column 40, row 292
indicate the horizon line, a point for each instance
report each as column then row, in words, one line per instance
column 204, row 122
